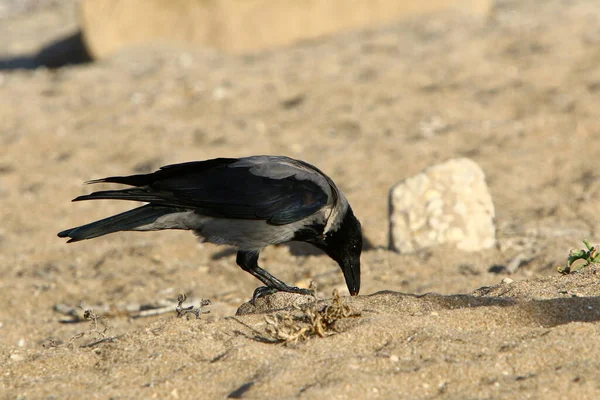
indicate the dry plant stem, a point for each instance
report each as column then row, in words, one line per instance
column 132, row 310
column 94, row 328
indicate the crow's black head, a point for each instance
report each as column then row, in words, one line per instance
column 344, row 245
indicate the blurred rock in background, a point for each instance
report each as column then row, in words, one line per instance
column 241, row 25
column 235, row 26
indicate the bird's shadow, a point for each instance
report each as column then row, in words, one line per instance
column 61, row 52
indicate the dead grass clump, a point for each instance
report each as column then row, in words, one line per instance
column 290, row 328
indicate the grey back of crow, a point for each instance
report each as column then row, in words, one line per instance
column 249, row 202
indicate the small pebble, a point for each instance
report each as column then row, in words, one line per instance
column 507, row 281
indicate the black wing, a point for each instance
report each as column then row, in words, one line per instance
column 218, row 188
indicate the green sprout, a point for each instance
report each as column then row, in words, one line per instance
column 579, row 259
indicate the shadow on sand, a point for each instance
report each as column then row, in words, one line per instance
column 68, row 50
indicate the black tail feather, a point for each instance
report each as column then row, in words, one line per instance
column 131, row 180
column 121, row 222
column 135, row 194
column 166, row 172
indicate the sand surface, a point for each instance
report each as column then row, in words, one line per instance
column 518, row 93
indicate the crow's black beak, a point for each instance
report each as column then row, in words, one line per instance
column 351, row 270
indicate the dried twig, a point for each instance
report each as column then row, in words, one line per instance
column 132, row 310
column 94, row 329
column 196, row 311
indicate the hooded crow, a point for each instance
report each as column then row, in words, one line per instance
column 249, row 202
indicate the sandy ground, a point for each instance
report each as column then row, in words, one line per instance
column 518, row 93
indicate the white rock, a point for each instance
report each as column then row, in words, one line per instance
column 446, row 203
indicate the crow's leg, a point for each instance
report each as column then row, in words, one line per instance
column 248, row 260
